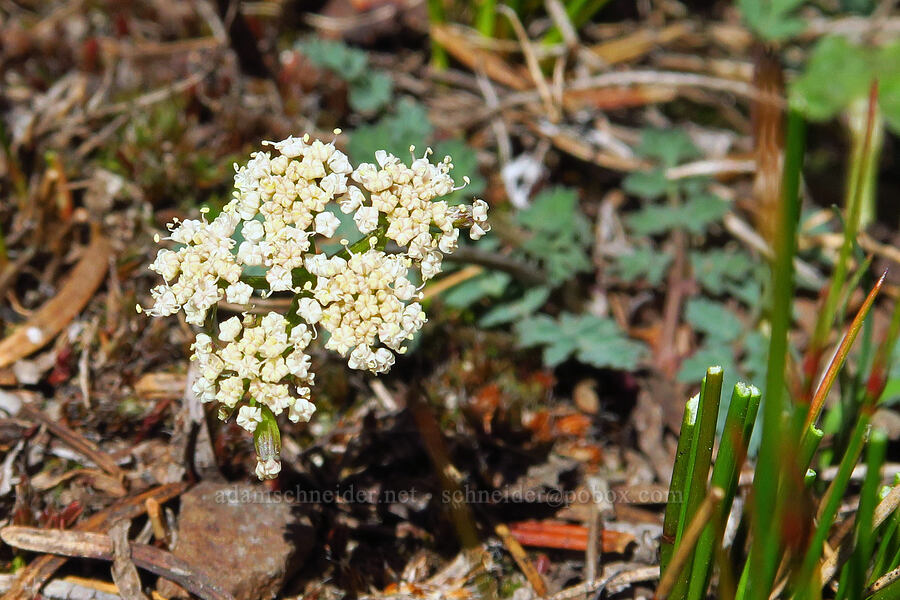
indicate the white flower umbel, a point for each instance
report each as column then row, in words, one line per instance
column 264, row 241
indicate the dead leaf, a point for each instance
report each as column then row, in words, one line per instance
column 161, row 386
column 574, row 425
column 618, row 97
column 639, row 43
column 457, row 45
column 57, row 312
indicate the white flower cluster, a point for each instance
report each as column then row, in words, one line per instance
column 365, row 299
column 360, row 300
column 256, row 357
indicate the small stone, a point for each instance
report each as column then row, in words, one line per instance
column 245, row 538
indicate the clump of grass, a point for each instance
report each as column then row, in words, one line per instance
column 793, row 548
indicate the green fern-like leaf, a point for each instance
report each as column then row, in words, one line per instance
column 593, row 340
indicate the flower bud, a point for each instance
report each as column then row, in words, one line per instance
column 267, row 441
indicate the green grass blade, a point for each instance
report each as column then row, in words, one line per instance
column 858, row 564
column 732, row 449
column 840, row 356
column 808, row 585
column 810, row 478
column 437, row 16
column 672, row 522
column 809, row 445
column 486, row 17
column 853, row 206
column 704, row 440
column 573, row 8
column 685, row 547
column 766, row 542
column 888, row 547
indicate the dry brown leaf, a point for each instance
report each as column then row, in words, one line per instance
column 59, row 311
column 458, row 46
column 639, row 43
column 160, row 385
column 618, row 97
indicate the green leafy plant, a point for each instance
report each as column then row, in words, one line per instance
column 554, row 240
column 592, row 340
column 557, row 234
column 772, row 20
column 840, row 72
column 683, row 212
column 369, row 90
column 643, row 262
column 554, row 247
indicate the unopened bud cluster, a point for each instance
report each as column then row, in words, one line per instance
column 362, row 297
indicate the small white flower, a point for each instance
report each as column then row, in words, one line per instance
column 333, row 184
column 206, row 294
column 352, row 200
column 359, row 357
column 449, row 241
column 202, row 343
column 298, row 363
column 249, row 417
column 291, row 147
column 279, row 279
column 231, row 390
column 253, row 231
column 185, row 232
column 476, row 232
column 326, row 224
column 274, row 324
column 366, row 219
column 310, row 310
column 167, row 264
column 229, row 329
column 404, row 289
column 248, row 204
column 273, row 370
column 223, row 226
column 238, row 293
column 383, row 360
column 339, row 163
column 301, row 410
column 279, row 165
column 165, row 302
column 316, row 264
column 431, row 265
column 250, row 254
column 204, row 389
column 300, row 336
column 479, row 211
column 268, row 469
